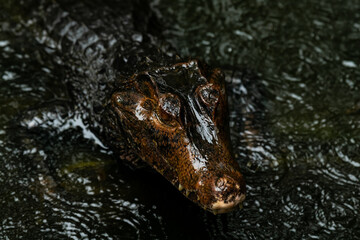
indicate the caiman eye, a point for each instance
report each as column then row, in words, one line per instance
column 209, row 94
column 169, row 109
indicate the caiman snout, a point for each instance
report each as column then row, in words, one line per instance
column 228, row 193
column 221, row 194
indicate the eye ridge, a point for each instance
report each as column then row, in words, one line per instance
column 145, row 85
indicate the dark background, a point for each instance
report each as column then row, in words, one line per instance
column 300, row 160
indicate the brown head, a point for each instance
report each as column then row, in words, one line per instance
column 176, row 120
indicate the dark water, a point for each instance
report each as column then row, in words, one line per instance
column 300, row 154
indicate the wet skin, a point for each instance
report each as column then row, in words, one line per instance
column 176, row 120
column 140, row 98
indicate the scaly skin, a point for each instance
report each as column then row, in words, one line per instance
column 141, row 99
column 175, row 118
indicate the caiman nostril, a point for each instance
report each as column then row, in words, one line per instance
column 226, row 183
column 221, row 184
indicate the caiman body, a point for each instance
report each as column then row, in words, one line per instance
column 141, row 99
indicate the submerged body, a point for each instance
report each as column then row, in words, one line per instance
column 141, row 99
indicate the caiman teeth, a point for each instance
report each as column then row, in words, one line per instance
column 181, row 187
column 187, row 192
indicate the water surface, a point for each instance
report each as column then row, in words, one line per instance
column 295, row 130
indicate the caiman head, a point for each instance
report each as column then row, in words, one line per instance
column 175, row 119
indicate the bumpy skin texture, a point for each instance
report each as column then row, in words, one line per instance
column 175, row 119
column 141, row 99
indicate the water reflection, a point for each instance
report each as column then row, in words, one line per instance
column 305, row 146
column 295, row 129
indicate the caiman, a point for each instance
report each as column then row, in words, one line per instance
column 139, row 97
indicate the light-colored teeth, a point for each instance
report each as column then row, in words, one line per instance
column 181, row 187
column 187, row 193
